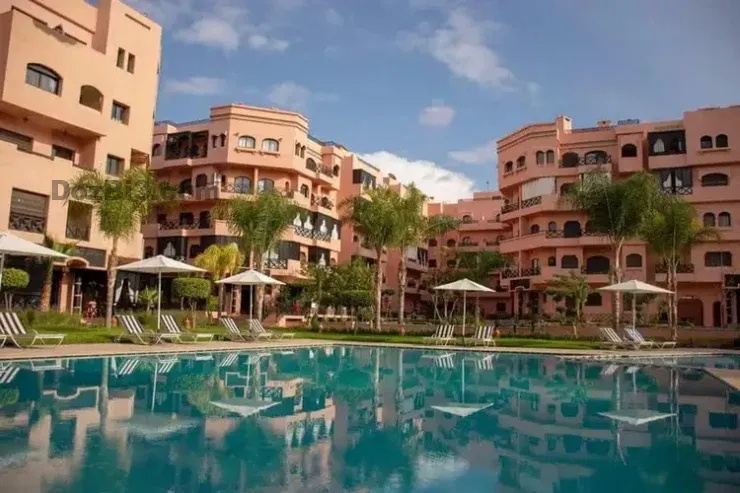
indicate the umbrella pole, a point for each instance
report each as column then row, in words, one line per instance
column 251, row 301
column 159, row 298
column 465, row 298
column 2, row 266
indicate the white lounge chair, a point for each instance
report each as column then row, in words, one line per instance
column 256, row 327
column 228, row 360
column 636, row 337
column 127, row 366
column 443, row 335
column 12, row 327
column 484, row 335
column 611, row 339
column 136, row 333
column 170, row 325
column 232, row 330
column 8, row 373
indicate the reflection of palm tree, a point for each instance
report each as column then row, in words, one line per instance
column 253, row 454
column 563, row 390
column 379, row 455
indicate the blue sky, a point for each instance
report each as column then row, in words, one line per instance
column 422, row 88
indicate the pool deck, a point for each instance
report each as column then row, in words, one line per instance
column 99, row 350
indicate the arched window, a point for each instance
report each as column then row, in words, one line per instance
column 724, row 220
column 148, row 252
column 304, row 190
column 597, row 264
column 186, row 219
column 540, row 157
column 572, row 229
column 658, row 146
column 722, row 141
column 44, row 78
column 303, row 151
column 270, row 145
column 521, row 161
column 247, row 142
column 223, row 139
column 451, row 243
column 214, row 140
column 570, row 160
column 550, row 157
column 287, row 186
column 552, row 226
column 311, row 164
column 533, row 229
column 242, row 184
column 535, row 263
column 91, row 97
column 596, row 157
column 265, row 184
column 156, row 149
column 629, row 150
column 569, row 262
column 714, row 180
column 708, row 220
column 186, row 186
column 335, row 170
column 201, row 181
column 552, row 262
column 204, row 219
column 565, row 188
column 508, row 167
column 297, row 149
column 706, row 142
column 432, row 242
column 634, row 260
column 467, row 219
column 593, row 299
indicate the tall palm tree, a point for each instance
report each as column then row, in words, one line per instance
column 615, row 209
column 64, row 248
column 120, row 206
column 220, row 261
column 260, row 224
column 376, row 217
column 670, row 230
column 416, row 229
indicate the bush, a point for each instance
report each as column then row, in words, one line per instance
column 8, row 396
column 51, row 319
column 192, row 290
column 13, row 279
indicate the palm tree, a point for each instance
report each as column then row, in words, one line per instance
column 64, row 248
column 571, row 286
column 220, row 261
column 260, row 224
column 417, row 228
column 617, row 210
column 670, row 230
column 120, row 206
column 376, row 217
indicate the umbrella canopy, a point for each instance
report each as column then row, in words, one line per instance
column 635, row 287
column 464, row 285
column 636, row 417
column 250, row 278
column 243, row 407
column 461, row 409
column 14, row 245
column 156, row 426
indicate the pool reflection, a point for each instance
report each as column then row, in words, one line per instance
column 365, row 419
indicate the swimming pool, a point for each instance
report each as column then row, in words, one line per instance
column 332, row 419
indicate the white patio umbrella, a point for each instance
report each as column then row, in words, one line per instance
column 464, row 285
column 635, row 287
column 13, row 245
column 243, row 407
column 160, row 265
column 250, row 278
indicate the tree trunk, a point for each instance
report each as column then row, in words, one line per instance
column 111, row 283
column 616, row 277
column 220, row 300
column 378, row 288
column 674, row 297
column 402, row 287
column 260, row 288
column 576, row 320
column 669, row 283
column 45, row 301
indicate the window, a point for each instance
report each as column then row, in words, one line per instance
column 23, row 142
column 113, row 165
column 297, row 149
column 355, row 239
column 214, row 138
column 521, row 162
column 121, row 57
column 247, row 142
column 185, row 187
column 467, row 219
column 596, row 157
column 62, row 153
column 201, row 180
column 265, row 185
column 572, row 229
column 629, row 150
column 569, row 262
column 451, row 243
column 593, row 299
column 131, row 65
column 714, row 180
column 634, row 260
column 570, row 160
column 270, row 145
column 242, row 184
column 535, row 263
column 222, row 137
column 27, row 211
column 157, row 150
column 204, row 219
column 335, row 170
column 676, row 180
column 552, row 226
column 550, row 157
column 658, row 146
column 668, row 142
column 304, row 190
column 148, row 252
column 540, row 157
column 43, row 77
column 194, row 251
column 186, row 218
column 508, row 167
column 91, row 97
column 718, row 259
column 708, row 220
column 724, row 220
column 552, row 262
column 533, row 229
column 597, row 264
column 706, row 142
column 119, row 112
column 432, row 242
column 722, row 141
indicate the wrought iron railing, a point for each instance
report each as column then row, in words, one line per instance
column 277, row 263
column 587, row 160
column 240, row 189
column 27, row 223
column 78, row 233
column 680, row 269
column 172, row 225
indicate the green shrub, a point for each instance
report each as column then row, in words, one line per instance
column 192, row 290
column 8, row 396
column 51, row 319
column 13, row 280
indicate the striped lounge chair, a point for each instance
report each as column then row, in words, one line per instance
column 136, row 333
column 12, row 327
column 256, row 327
column 484, row 335
column 171, row 327
column 443, row 335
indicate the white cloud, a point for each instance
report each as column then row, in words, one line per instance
column 476, row 155
column 163, row 12
column 197, row 86
column 261, row 42
column 437, row 182
column 291, row 96
column 462, row 46
column 333, row 17
column 437, row 115
column 211, row 31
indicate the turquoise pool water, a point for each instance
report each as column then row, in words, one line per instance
column 366, row 420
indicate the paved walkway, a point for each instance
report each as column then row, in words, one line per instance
column 96, row 350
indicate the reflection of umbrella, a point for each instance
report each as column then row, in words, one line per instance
column 250, row 278
column 13, row 245
column 156, row 426
column 635, row 287
column 637, row 417
column 159, row 265
column 464, row 285
column 243, row 407
column 463, row 410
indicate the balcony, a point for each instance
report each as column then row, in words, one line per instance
column 177, row 229
column 684, row 273
column 329, row 241
column 524, row 204
column 552, row 239
column 590, row 159
column 516, row 273
column 285, row 268
column 596, row 274
column 27, row 223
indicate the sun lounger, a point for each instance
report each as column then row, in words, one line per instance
column 232, row 330
column 134, row 332
column 8, row 373
column 484, row 335
column 611, row 339
column 256, row 327
column 443, row 335
column 229, row 360
column 636, row 337
column 170, row 325
column 12, row 327
column 127, row 366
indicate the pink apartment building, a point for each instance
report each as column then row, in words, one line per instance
column 78, row 87
column 697, row 157
column 236, row 152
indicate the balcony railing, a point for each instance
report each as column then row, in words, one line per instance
column 173, row 225
column 78, row 233
column 530, row 202
column 570, row 234
column 588, row 160
column 526, row 272
column 510, row 208
column 687, row 190
column 311, row 165
column 277, row 263
column 594, row 269
column 469, row 244
column 680, row 269
column 325, row 169
column 312, row 234
column 27, row 223
column 240, row 189
column 322, row 202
